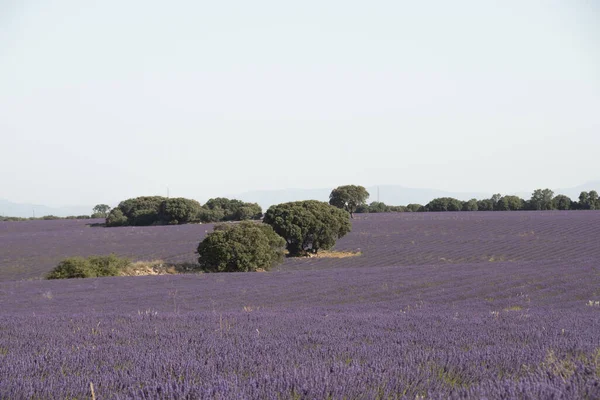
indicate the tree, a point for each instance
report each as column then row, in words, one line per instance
column 116, row 218
column 470, row 205
column 561, row 202
column 584, row 200
column 485, row 205
column 223, row 209
column 414, row 207
column 509, row 203
column 308, row 226
column 142, row 211
column 378, row 207
column 100, row 211
column 348, row 197
column 444, row 204
column 178, row 210
column 242, row 247
column 495, row 199
column 594, row 202
column 541, row 199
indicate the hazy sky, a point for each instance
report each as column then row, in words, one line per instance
column 100, row 101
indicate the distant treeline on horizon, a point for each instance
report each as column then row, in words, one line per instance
column 221, row 209
column 541, row 200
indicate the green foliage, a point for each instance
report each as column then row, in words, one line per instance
column 242, row 247
column 541, row 199
column 561, row 202
column 348, row 197
column 178, row 211
column 509, row 203
column 91, row 267
column 101, row 211
column 378, row 207
column 142, row 211
column 470, row 205
column 485, row 205
column 414, row 208
column 589, row 201
column 223, row 209
column 444, row 204
column 308, row 226
column 116, row 218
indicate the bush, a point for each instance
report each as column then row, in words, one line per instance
column 414, row 208
column 308, row 226
column 116, row 218
column 223, row 209
column 444, row 204
column 91, row 267
column 178, row 211
column 242, row 247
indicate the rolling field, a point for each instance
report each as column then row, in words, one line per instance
column 439, row 305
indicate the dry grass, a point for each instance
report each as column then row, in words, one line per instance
column 156, row 267
column 336, row 254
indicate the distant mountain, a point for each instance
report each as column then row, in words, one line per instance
column 574, row 192
column 10, row 209
column 389, row 194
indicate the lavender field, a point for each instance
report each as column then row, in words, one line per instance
column 439, row 305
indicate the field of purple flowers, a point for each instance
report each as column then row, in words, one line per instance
column 439, row 305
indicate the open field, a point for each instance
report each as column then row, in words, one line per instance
column 439, row 305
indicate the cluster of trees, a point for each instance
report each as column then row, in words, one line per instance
column 353, row 199
column 157, row 210
column 300, row 227
column 541, row 199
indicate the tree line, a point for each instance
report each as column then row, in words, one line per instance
column 541, row 199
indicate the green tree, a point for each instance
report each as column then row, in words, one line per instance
column 470, row 205
column 444, row 204
column 509, row 203
column 562, row 202
column 593, row 200
column 178, row 210
column 414, row 207
column 224, row 209
column 116, row 218
column 242, row 247
column 584, row 201
column 348, row 197
column 541, row 199
column 378, row 207
column 142, row 211
column 101, row 211
column 485, row 205
column 308, row 226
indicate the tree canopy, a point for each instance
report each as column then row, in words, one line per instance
column 243, row 247
column 308, row 226
column 348, row 197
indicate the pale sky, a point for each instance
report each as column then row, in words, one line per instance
column 105, row 100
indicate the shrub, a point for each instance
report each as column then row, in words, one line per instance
column 223, row 209
column 74, row 267
column 308, row 226
column 178, row 211
column 116, row 218
column 444, row 204
column 91, row 267
column 414, row 208
column 242, row 247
